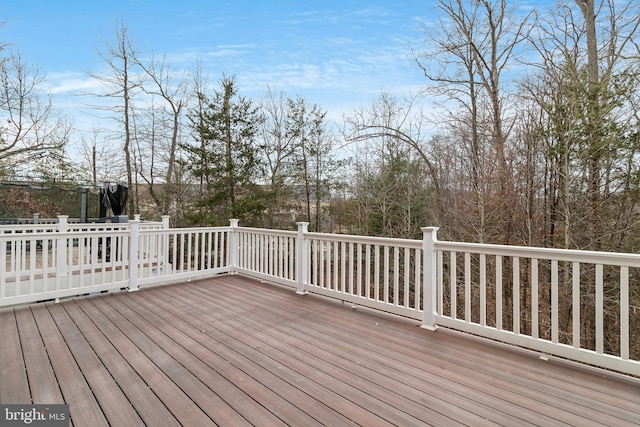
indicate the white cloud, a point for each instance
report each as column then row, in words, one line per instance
column 72, row 83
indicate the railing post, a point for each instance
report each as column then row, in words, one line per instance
column 233, row 246
column 302, row 258
column 429, row 238
column 165, row 243
column 134, row 256
column 61, row 247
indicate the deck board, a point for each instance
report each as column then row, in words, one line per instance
column 302, row 355
column 269, row 383
column 162, row 373
column 492, row 378
column 293, row 372
column 14, row 386
column 383, row 370
column 233, row 351
column 43, row 382
column 232, row 379
column 176, row 364
column 112, row 400
column 151, row 410
column 491, row 399
column 198, row 359
column 72, row 382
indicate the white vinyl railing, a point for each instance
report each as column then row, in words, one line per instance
column 52, row 265
column 266, row 254
column 58, row 259
column 569, row 303
column 380, row 273
column 574, row 304
column 178, row 254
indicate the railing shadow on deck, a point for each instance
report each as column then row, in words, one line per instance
column 577, row 305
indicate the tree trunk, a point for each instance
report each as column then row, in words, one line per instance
column 594, row 120
column 127, row 130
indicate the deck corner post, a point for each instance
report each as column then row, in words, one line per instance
column 302, row 257
column 430, row 237
column 134, row 256
column 61, row 246
column 165, row 221
column 233, row 246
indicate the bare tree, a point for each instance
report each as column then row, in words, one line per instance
column 174, row 95
column 95, row 159
column 314, row 164
column 279, row 145
column 394, row 124
column 31, row 127
column 121, row 82
column 466, row 58
column 584, row 91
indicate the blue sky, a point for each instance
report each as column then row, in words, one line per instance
column 337, row 54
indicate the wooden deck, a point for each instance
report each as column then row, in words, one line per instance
column 232, row 351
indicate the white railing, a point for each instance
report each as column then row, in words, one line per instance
column 569, row 303
column 28, row 228
column 178, row 254
column 519, row 295
column 380, row 273
column 81, row 259
column 266, row 254
column 50, row 265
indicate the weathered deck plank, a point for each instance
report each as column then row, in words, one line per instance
column 376, row 362
column 149, row 365
column 353, row 393
column 254, row 357
column 14, row 386
column 232, row 351
column 147, row 404
column 113, row 402
column 43, row 382
column 502, row 397
column 213, row 366
column 85, row 409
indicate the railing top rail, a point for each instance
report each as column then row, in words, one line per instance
column 384, row 241
column 573, row 255
column 182, row 230
column 27, row 227
column 266, row 231
column 54, row 225
column 98, row 226
column 63, row 235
